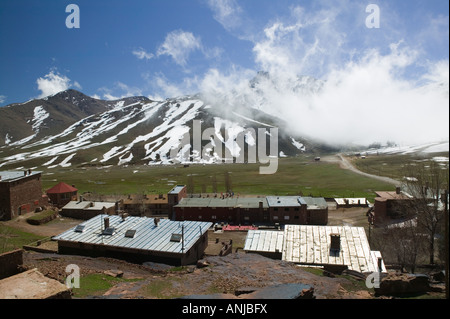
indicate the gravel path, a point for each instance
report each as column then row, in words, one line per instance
column 346, row 164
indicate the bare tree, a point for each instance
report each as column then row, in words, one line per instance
column 425, row 183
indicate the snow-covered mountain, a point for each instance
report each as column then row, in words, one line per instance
column 71, row 128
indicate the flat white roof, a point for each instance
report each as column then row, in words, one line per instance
column 310, row 246
column 351, row 201
column 270, row 241
column 88, row 205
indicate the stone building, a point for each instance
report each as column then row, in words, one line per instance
column 20, row 193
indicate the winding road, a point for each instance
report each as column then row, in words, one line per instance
column 346, row 164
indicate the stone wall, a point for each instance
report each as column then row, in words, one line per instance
column 10, row 262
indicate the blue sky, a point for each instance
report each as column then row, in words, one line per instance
column 168, row 48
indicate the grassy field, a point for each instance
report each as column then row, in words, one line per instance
column 294, row 176
column 11, row 238
column 394, row 166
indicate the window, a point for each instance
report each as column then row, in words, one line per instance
column 286, row 209
column 296, row 209
column 286, row 217
column 130, row 233
column 108, row 231
column 275, row 217
column 275, row 209
column 175, row 238
column 214, row 217
column 79, row 228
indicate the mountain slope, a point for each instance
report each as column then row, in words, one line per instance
column 70, row 128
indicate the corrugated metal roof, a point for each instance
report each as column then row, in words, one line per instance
column 10, row 176
column 148, row 236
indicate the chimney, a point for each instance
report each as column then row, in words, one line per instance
column 29, row 172
column 380, row 264
column 335, row 242
column 156, row 221
column 81, row 198
column 25, row 173
column 124, row 216
column 397, row 190
column 106, row 220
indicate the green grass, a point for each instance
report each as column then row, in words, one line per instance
column 96, row 284
column 294, row 176
column 42, row 215
column 161, row 289
column 393, row 166
column 11, row 238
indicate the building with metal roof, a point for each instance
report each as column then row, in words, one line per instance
column 137, row 239
column 331, row 247
column 20, row 192
column 84, row 209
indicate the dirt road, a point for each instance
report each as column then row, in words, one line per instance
column 346, row 164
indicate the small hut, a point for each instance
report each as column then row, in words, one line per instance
column 61, row 194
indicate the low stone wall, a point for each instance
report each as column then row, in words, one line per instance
column 10, row 262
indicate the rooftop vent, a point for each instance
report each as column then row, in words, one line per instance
column 130, row 233
column 335, row 242
column 176, row 237
column 156, row 221
column 79, row 228
column 108, row 231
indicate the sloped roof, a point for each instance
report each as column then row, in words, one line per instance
column 61, row 188
column 148, row 236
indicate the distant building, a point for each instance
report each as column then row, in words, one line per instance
column 146, row 205
column 287, row 209
column 62, row 193
column 316, row 211
column 254, row 210
column 231, row 210
column 20, row 193
column 83, row 209
column 351, row 202
column 174, row 197
column 388, row 206
column 332, row 247
column 137, row 239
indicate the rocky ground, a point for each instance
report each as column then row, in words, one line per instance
column 221, row 275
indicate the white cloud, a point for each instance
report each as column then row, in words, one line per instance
column 119, row 91
column 179, row 45
column 2, row 99
column 53, row 82
column 226, row 12
column 142, row 54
